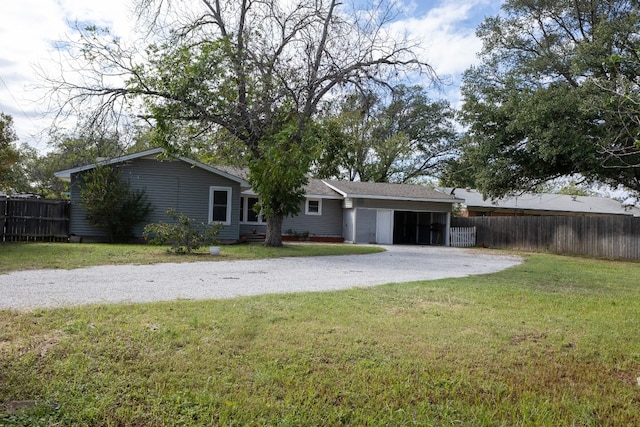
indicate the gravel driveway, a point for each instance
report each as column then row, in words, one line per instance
column 228, row 279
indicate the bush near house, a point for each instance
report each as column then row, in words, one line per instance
column 184, row 234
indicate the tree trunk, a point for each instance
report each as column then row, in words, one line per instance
column 274, row 231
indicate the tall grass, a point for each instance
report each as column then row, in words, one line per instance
column 551, row 342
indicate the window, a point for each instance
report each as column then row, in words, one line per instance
column 220, row 205
column 247, row 214
column 313, row 207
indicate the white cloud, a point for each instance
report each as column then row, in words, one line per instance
column 29, row 29
column 28, row 32
column 446, row 33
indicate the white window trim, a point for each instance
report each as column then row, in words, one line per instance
column 229, row 203
column 306, row 206
column 245, row 211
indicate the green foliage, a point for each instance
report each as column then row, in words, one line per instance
column 459, row 172
column 279, row 172
column 400, row 139
column 542, row 104
column 34, row 172
column 8, row 153
column 302, row 235
column 110, row 204
column 183, row 234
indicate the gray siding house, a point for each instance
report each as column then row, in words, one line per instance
column 353, row 212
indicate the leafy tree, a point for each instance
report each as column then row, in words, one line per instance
column 259, row 70
column 111, row 205
column 459, row 172
column 400, row 139
column 8, row 153
column 541, row 105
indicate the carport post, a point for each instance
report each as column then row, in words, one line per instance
column 446, row 229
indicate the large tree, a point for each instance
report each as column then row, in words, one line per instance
column 403, row 137
column 8, row 152
column 544, row 102
column 259, row 70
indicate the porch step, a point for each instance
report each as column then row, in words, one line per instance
column 255, row 238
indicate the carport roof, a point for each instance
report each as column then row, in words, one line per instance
column 389, row 191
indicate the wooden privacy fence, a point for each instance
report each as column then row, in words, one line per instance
column 462, row 237
column 23, row 220
column 615, row 237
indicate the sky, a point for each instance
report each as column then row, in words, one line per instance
column 29, row 30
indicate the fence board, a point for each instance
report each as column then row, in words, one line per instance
column 612, row 236
column 34, row 220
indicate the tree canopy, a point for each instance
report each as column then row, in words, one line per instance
column 8, row 153
column 259, row 70
column 551, row 96
column 400, row 138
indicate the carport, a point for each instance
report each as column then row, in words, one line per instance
column 386, row 214
column 399, row 227
column 419, row 228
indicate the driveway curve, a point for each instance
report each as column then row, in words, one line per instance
column 229, row 279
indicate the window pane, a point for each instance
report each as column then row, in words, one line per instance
column 314, row 206
column 220, row 213
column 219, row 208
column 220, row 198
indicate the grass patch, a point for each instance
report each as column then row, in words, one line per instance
column 31, row 256
column 551, row 342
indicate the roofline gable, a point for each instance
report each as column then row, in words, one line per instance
column 66, row 174
column 337, row 190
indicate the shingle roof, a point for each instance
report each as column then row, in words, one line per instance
column 545, row 202
column 316, row 187
column 379, row 190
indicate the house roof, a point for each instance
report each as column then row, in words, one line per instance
column 152, row 154
column 314, row 188
column 389, row 191
column 544, row 202
column 329, row 189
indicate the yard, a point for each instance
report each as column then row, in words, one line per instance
column 553, row 341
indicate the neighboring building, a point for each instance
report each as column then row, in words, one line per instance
column 533, row 204
column 354, row 212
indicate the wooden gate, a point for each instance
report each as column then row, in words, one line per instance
column 462, row 237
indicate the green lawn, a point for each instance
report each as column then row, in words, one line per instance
column 552, row 342
column 29, row 256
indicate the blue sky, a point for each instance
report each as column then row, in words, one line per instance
column 29, row 30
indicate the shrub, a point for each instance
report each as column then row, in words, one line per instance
column 184, row 234
column 110, row 203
